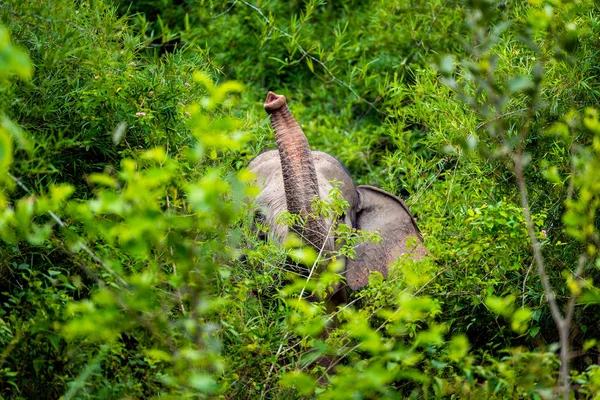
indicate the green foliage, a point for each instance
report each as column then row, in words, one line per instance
column 131, row 265
column 14, row 60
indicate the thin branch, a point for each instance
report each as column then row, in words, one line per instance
column 417, row 196
column 226, row 11
column 314, row 266
column 431, row 280
column 451, row 184
column 500, row 116
column 279, row 352
column 562, row 323
column 571, row 188
column 525, row 281
column 537, row 253
column 177, row 291
column 578, row 278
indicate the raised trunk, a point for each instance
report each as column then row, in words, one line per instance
column 299, row 175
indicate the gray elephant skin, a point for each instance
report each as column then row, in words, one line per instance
column 290, row 178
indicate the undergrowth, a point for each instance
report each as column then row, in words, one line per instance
column 131, row 265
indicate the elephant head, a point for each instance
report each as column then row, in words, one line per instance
column 292, row 176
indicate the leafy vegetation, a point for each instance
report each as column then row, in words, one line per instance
column 130, row 262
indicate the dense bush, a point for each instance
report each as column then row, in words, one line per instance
column 130, row 266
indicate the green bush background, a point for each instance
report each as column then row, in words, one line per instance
column 129, row 265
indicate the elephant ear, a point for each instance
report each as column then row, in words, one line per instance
column 382, row 212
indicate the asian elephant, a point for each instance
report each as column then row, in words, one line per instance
column 293, row 175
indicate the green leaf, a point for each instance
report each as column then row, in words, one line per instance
column 500, row 305
column 204, row 79
column 589, row 297
column 21, row 139
column 202, row 382
column 519, row 83
column 447, row 64
column 302, row 382
column 102, row 179
column 520, row 319
column 310, row 64
column 13, row 60
column 305, row 255
column 458, row 348
column 588, row 344
column 6, row 153
column 590, row 120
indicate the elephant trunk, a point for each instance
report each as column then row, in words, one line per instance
column 299, row 175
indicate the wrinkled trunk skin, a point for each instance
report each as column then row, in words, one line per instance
column 299, row 175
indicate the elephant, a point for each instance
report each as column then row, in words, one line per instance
column 291, row 177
